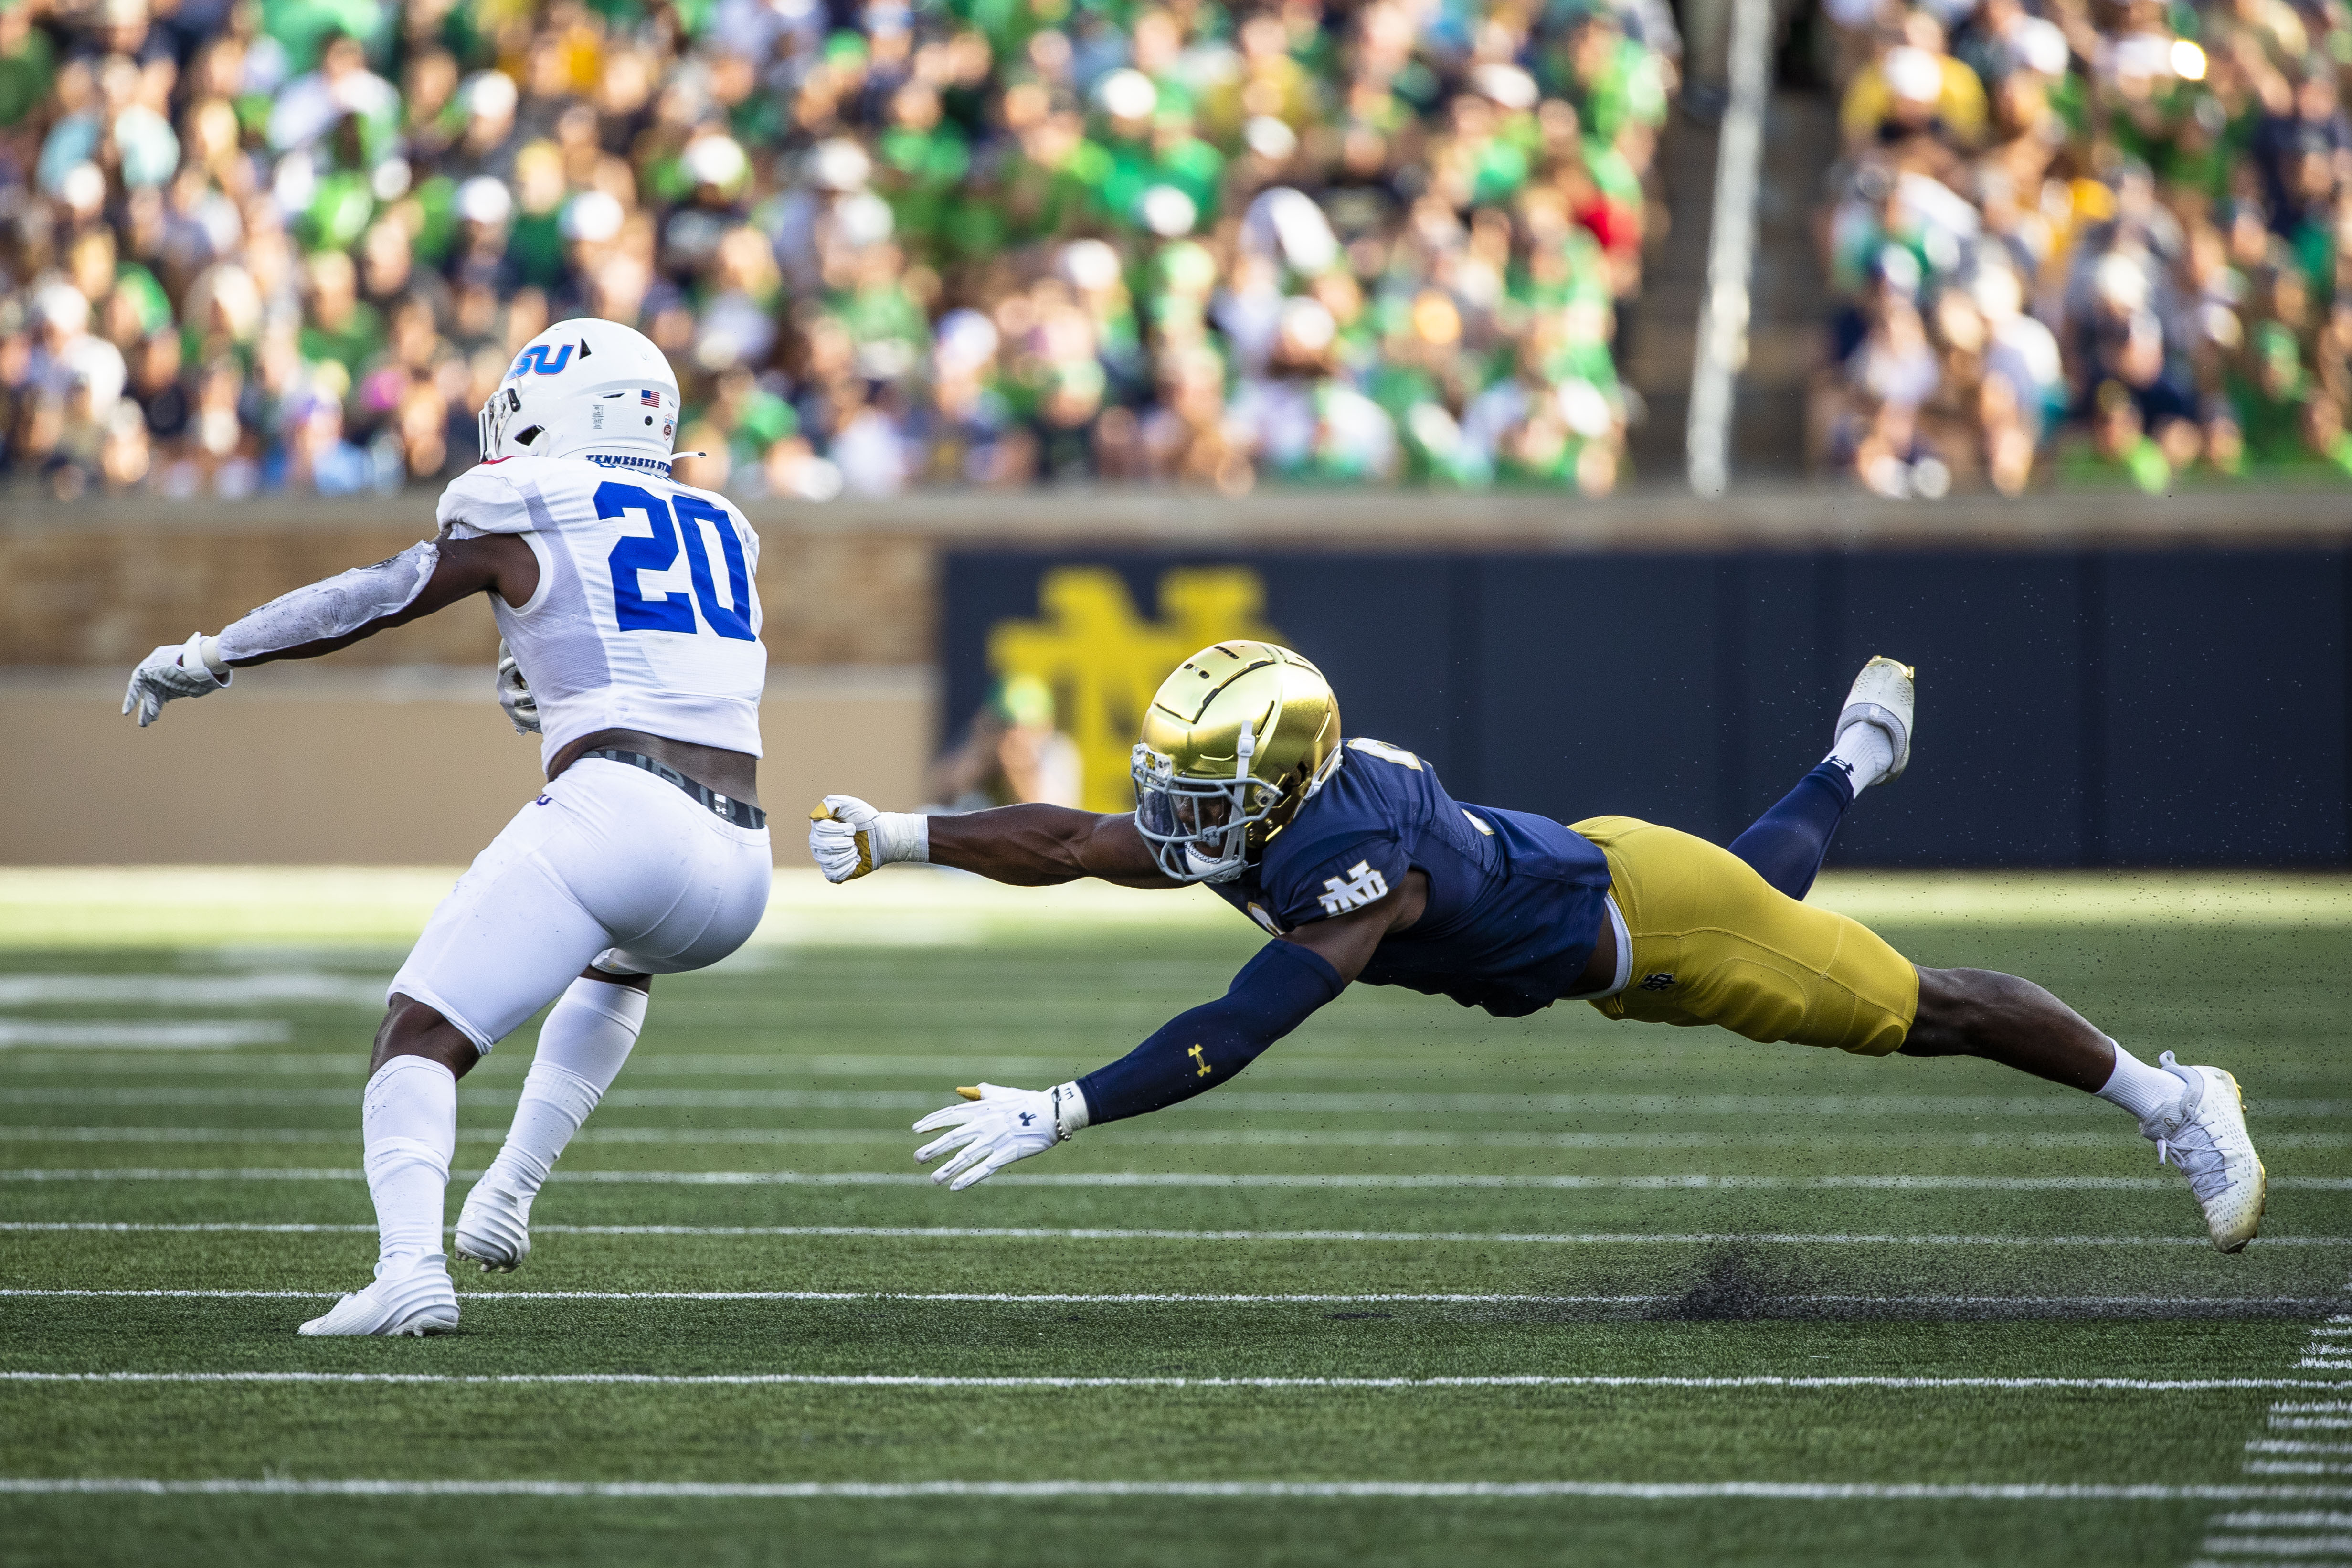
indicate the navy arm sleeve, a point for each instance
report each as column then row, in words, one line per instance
column 1198, row 1050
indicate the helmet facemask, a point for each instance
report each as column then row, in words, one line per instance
column 1235, row 740
column 1202, row 830
column 502, row 410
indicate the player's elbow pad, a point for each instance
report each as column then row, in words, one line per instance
column 337, row 607
column 1198, row 1050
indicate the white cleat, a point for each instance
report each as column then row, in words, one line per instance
column 494, row 1227
column 1883, row 696
column 2206, row 1136
column 418, row 1299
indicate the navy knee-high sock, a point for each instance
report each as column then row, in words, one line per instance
column 1786, row 844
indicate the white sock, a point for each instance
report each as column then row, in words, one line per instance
column 1865, row 751
column 408, row 1118
column 580, row 1048
column 2147, row 1092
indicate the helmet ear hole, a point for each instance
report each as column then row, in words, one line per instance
column 526, row 437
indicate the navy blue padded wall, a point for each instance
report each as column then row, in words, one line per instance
column 1381, row 628
column 1998, row 772
column 2223, row 680
column 1779, row 685
column 1599, row 687
column 2111, row 708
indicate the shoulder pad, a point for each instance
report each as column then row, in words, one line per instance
column 485, row 499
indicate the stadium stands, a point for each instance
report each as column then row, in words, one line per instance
column 2088, row 242
column 291, row 244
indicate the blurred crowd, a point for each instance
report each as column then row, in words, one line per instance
column 2088, row 241
column 255, row 245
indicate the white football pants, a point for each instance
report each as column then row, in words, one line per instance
column 609, row 866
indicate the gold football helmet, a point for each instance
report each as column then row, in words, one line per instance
column 1233, row 743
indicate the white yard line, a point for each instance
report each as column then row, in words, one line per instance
column 117, row 1033
column 1644, row 1492
column 196, row 1227
column 769, row 1061
column 342, row 1062
column 1320, row 1102
column 1399, row 1137
column 1694, row 1180
column 1473, row 1237
column 2292, row 1457
column 1466, row 1060
column 908, row 1380
column 167, row 990
column 2278, row 1545
column 1135, row 1298
column 271, row 1135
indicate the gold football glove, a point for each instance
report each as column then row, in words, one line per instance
column 847, row 837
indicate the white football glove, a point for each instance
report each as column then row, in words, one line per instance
column 996, row 1126
column 848, row 838
column 515, row 694
column 170, row 672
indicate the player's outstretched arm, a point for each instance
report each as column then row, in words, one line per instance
column 324, row 616
column 1027, row 846
column 1275, row 993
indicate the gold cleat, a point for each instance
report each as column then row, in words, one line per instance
column 2205, row 1135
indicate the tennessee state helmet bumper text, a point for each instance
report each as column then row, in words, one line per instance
column 583, row 385
column 1233, row 743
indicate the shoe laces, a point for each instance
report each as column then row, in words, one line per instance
column 2188, row 1144
column 2192, row 1151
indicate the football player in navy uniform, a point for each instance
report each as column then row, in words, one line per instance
column 1362, row 867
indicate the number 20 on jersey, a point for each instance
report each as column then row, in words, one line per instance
column 658, row 553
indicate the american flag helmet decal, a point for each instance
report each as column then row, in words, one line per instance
column 650, row 399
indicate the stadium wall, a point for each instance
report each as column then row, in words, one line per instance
column 406, row 766
column 2112, row 679
column 2083, row 707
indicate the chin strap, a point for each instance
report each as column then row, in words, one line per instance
column 1238, row 852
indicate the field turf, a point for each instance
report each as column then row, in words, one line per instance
column 1425, row 1286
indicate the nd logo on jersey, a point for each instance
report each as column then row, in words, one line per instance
column 1362, row 886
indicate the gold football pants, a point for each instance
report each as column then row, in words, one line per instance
column 1716, row 943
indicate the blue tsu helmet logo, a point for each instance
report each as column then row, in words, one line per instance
column 542, row 358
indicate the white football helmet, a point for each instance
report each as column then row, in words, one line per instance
column 583, row 385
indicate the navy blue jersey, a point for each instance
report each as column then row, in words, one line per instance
column 1516, row 902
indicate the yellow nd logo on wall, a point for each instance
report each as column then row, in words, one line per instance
column 1103, row 660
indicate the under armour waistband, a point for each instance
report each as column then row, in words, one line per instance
column 741, row 813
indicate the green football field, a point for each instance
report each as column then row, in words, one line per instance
column 1423, row 1286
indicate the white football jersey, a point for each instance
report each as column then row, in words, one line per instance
column 647, row 613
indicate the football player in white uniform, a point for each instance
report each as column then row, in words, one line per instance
column 626, row 599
